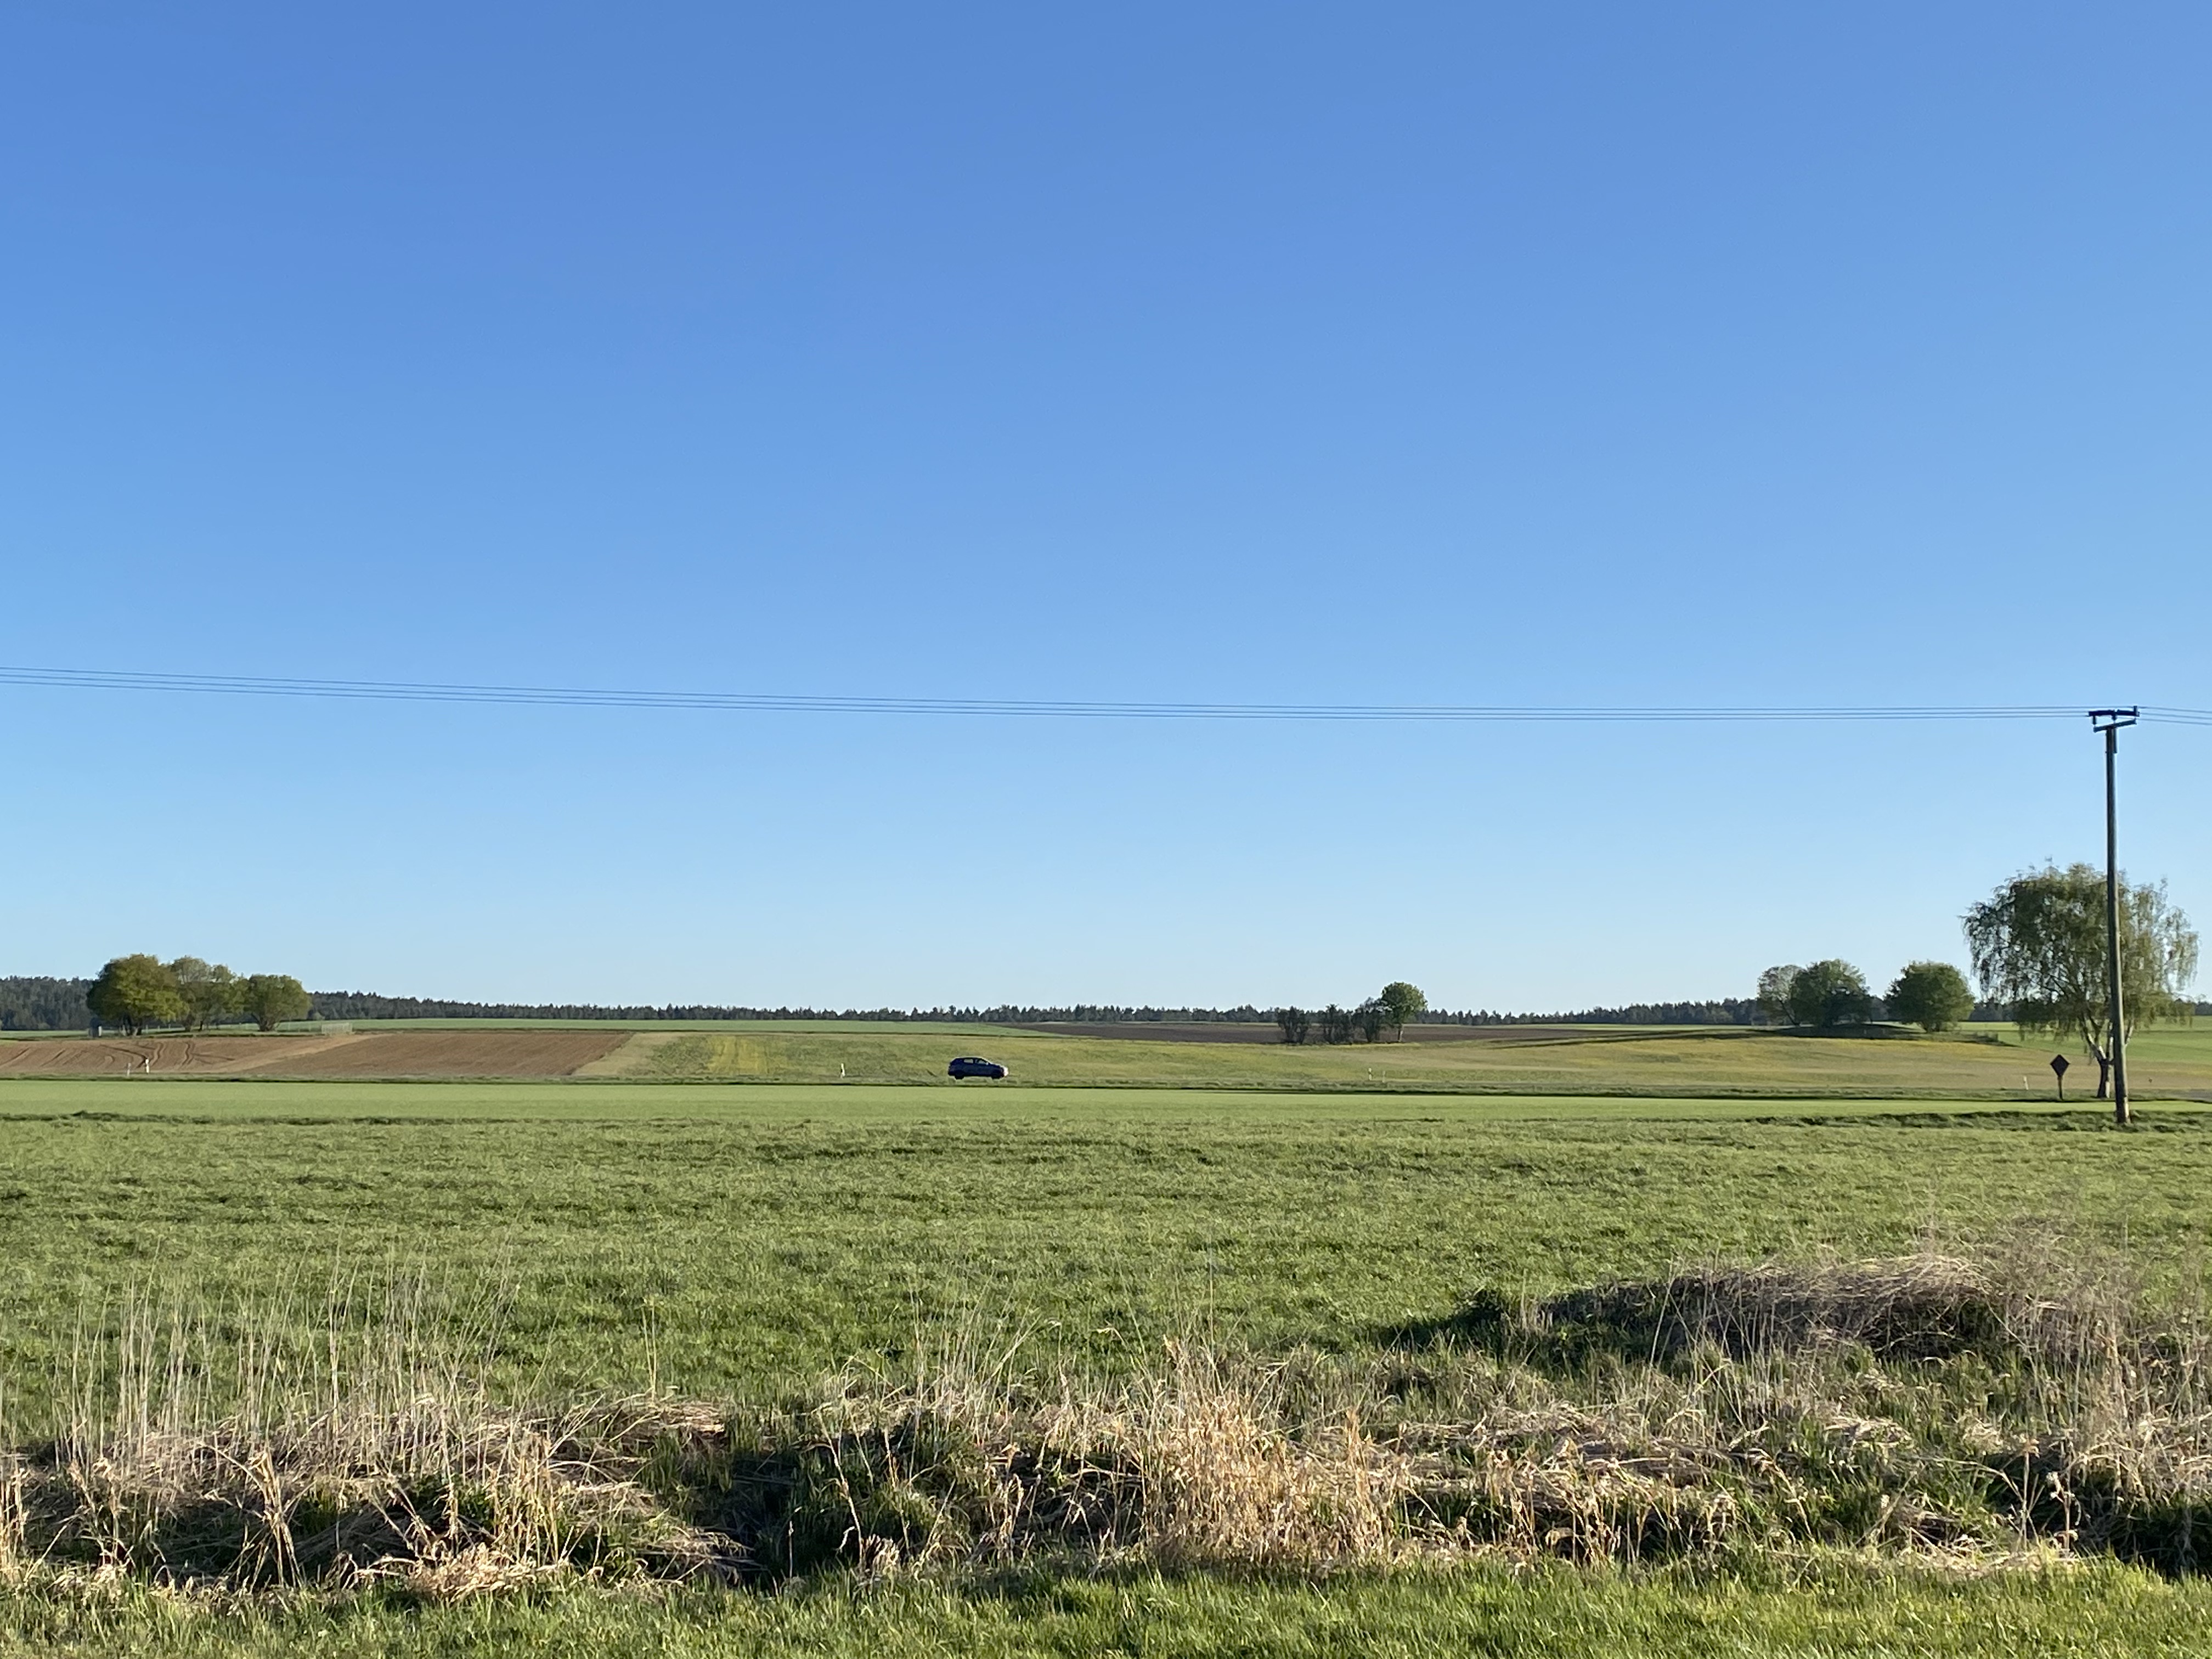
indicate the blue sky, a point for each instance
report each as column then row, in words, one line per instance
column 1584, row 354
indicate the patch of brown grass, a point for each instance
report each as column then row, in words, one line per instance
column 1947, row 1406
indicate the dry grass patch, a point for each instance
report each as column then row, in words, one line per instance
column 1935, row 1407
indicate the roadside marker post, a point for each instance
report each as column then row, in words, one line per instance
column 2058, row 1071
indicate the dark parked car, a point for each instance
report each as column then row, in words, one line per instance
column 969, row 1066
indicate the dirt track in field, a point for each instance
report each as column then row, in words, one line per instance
column 1147, row 1030
column 378, row 1055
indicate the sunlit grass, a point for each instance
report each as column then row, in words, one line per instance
column 743, row 1243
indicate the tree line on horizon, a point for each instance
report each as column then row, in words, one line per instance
column 138, row 993
column 369, row 1005
column 57, row 1003
column 2036, row 946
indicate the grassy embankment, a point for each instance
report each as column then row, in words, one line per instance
column 1985, row 1063
column 1710, row 1061
column 1413, row 1262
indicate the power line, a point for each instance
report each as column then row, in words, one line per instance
column 795, row 702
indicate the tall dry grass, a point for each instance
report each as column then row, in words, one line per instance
column 263, row 1443
column 1941, row 1405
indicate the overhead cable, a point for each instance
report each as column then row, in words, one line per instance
column 1049, row 708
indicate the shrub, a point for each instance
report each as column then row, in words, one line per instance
column 1828, row 994
column 1932, row 995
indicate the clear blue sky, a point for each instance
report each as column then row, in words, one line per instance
column 1560, row 355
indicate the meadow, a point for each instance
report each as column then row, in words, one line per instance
column 742, row 1241
column 1994, row 1062
column 782, row 1251
column 1984, row 1062
column 1541, row 1613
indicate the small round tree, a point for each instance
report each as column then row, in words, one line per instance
column 209, row 991
column 136, row 992
column 272, row 998
column 1932, row 995
column 1829, row 995
column 1402, row 1001
column 1774, row 992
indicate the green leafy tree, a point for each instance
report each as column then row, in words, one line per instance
column 1830, row 995
column 209, row 991
column 1774, row 993
column 1336, row 1025
column 1932, row 995
column 271, row 998
column 136, row 992
column 1402, row 1002
column 2038, row 946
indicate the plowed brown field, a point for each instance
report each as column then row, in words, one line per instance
column 457, row 1053
column 111, row 1056
column 377, row 1054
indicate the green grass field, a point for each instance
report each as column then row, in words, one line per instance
column 756, row 1238
column 1993, row 1063
column 745, row 1243
column 1986, row 1062
column 1557, row 1613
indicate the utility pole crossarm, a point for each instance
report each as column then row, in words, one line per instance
column 2109, row 722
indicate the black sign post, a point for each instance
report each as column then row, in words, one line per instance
column 2058, row 1070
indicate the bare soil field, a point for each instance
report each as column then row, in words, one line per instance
column 501, row 1053
column 220, row 1055
column 1265, row 1032
column 456, row 1054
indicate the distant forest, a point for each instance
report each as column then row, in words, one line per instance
column 37, row 1003
column 365, row 1005
column 57, row 1005
column 44, row 1005
column 1728, row 1011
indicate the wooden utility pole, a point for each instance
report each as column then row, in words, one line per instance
column 2109, row 721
